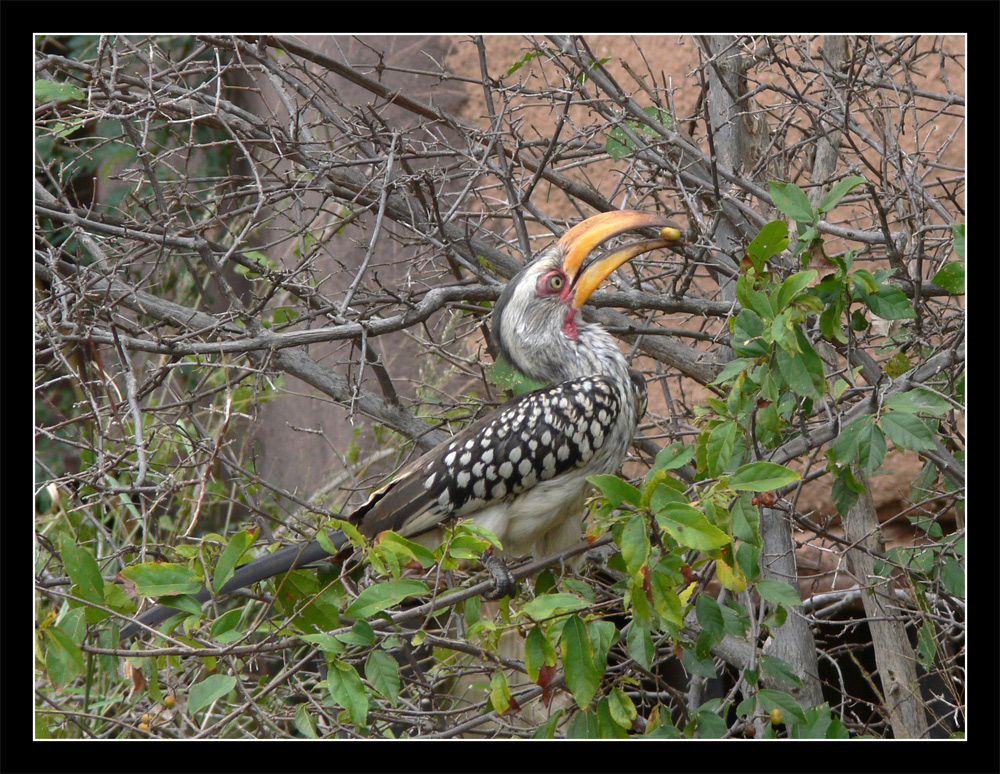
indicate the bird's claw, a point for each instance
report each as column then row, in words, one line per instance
column 504, row 584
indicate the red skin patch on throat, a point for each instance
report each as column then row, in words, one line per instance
column 569, row 326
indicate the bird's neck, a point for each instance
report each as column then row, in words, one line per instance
column 596, row 353
column 584, row 350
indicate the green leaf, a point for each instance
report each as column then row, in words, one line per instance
column 504, row 376
column 635, row 544
column 657, row 114
column 407, row 548
column 361, row 635
column 889, row 303
column 81, row 566
column 551, row 605
column 699, row 667
column 640, row 644
column 721, row 441
column 326, row 537
column 499, row 692
column 619, row 144
column 845, row 446
column 748, row 330
column 607, row 728
column 792, row 201
column 689, row 527
column 616, row 489
column 838, row 192
column 745, row 521
column 907, row 430
column 926, row 645
column 603, row 635
column 223, row 628
column 794, row 285
column 951, row 277
column 871, row 448
column 953, row 577
column 958, row 231
column 919, row 400
column 845, row 491
column 865, row 282
column 666, row 603
column 325, row 642
column 753, row 299
column 48, row 91
column 622, row 709
column 778, row 592
column 304, row 723
column 806, row 238
column 157, row 579
column 583, row 725
column 674, row 456
column 210, row 689
column 732, row 369
column 347, row 690
column 381, row 596
column 772, row 239
column 710, row 725
column 818, row 721
column 710, row 617
column 236, row 548
column 522, row 61
column 582, row 676
column 63, row 657
column 781, row 671
column 538, row 652
column 770, row 699
column 858, row 323
column 785, row 330
column 747, row 557
column 803, row 372
column 736, row 619
column 548, row 729
column 639, row 597
column 761, row 477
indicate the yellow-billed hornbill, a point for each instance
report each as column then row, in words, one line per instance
column 521, row 472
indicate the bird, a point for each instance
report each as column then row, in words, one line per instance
column 522, row 470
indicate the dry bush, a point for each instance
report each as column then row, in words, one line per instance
column 264, row 270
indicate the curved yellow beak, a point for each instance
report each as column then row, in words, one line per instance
column 580, row 241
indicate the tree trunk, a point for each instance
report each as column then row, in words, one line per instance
column 794, row 641
column 894, row 658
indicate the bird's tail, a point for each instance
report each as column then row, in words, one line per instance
column 268, row 566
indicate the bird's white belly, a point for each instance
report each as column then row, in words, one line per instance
column 538, row 522
column 545, row 519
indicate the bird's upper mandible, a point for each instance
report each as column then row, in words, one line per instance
column 535, row 324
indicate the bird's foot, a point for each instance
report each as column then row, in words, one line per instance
column 504, row 584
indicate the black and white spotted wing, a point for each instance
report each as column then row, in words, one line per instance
column 532, row 438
